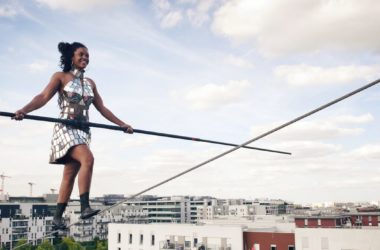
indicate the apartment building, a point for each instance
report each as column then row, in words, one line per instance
column 337, row 238
column 344, row 220
column 24, row 221
column 174, row 236
column 357, row 230
column 224, row 233
column 175, row 209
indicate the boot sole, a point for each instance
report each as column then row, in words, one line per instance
column 87, row 216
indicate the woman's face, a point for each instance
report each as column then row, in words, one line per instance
column 81, row 58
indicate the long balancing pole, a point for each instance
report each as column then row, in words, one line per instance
column 140, row 131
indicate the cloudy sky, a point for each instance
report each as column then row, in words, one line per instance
column 224, row 70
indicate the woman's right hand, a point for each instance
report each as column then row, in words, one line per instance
column 19, row 115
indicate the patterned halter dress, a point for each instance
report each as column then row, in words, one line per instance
column 74, row 102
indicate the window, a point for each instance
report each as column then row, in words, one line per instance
column 273, row 247
column 324, row 243
column 130, row 239
column 305, row 242
column 118, row 237
column 187, row 244
column 319, row 222
column 141, row 239
column 195, row 242
column 369, row 218
column 306, row 222
column 291, row 248
column 152, row 240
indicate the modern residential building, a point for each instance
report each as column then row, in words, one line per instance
column 271, row 232
column 176, row 209
column 174, row 236
column 230, row 232
column 337, row 238
column 256, row 240
column 344, row 220
column 358, row 230
column 24, row 221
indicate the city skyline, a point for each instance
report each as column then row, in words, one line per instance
column 225, row 70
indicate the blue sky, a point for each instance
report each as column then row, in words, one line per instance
column 226, row 70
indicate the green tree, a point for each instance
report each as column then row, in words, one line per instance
column 46, row 245
column 23, row 245
column 69, row 244
column 101, row 245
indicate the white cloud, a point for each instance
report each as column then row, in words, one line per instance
column 171, row 19
column 171, row 14
column 78, row 6
column 354, row 182
column 7, row 11
column 293, row 26
column 200, row 14
column 351, row 119
column 238, row 61
column 138, row 142
column 309, row 149
column 161, row 5
column 370, row 151
column 3, row 105
column 38, row 66
column 315, row 130
column 187, row 1
column 210, row 96
column 305, row 75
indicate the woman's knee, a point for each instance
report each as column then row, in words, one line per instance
column 83, row 155
column 71, row 171
column 88, row 160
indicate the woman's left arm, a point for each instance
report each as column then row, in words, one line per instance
column 99, row 105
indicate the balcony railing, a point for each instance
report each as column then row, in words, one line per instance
column 199, row 246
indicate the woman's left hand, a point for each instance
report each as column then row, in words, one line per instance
column 127, row 128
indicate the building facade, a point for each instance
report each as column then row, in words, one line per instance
column 174, row 236
column 24, row 221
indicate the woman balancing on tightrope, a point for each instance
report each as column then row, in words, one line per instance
column 70, row 145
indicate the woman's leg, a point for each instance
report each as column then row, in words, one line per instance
column 70, row 171
column 83, row 155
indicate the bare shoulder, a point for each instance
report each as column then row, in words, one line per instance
column 91, row 82
column 58, row 76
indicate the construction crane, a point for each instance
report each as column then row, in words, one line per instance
column 31, row 188
column 2, row 176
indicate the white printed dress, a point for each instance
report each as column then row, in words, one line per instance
column 74, row 102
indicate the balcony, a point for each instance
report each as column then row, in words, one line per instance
column 187, row 246
column 175, row 246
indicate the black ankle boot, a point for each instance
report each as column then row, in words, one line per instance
column 85, row 209
column 58, row 223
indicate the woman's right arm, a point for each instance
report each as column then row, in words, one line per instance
column 41, row 99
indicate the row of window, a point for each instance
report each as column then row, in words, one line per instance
column 358, row 219
column 130, row 239
column 273, row 247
